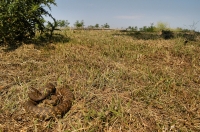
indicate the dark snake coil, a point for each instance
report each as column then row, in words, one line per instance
column 61, row 97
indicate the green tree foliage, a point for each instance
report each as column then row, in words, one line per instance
column 132, row 28
column 62, row 23
column 19, row 19
column 148, row 29
column 96, row 26
column 78, row 24
column 151, row 28
column 105, row 26
column 162, row 26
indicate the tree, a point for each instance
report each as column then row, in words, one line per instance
column 78, row 24
column 151, row 28
column 106, row 26
column 193, row 27
column 96, row 26
column 62, row 23
column 136, row 28
column 20, row 19
column 162, row 26
column 131, row 28
column 144, row 28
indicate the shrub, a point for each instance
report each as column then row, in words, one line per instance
column 166, row 34
column 20, row 19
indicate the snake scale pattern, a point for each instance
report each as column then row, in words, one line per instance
column 60, row 100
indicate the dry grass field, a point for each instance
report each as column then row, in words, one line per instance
column 120, row 83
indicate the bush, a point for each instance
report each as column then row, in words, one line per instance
column 162, row 26
column 20, row 19
column 166, row 34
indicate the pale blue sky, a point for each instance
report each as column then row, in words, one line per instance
column 124, row 13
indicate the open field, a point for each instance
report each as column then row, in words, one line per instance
column 120, row 84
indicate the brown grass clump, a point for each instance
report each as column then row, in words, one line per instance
column 119, row 83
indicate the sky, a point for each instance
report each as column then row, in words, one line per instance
column 124, row 13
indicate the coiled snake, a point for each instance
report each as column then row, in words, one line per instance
column 60, row 100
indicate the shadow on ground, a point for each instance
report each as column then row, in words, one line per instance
column 39, row 42
column 188, row 36
column 139, row 35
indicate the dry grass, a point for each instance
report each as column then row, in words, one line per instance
column 119, row 83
